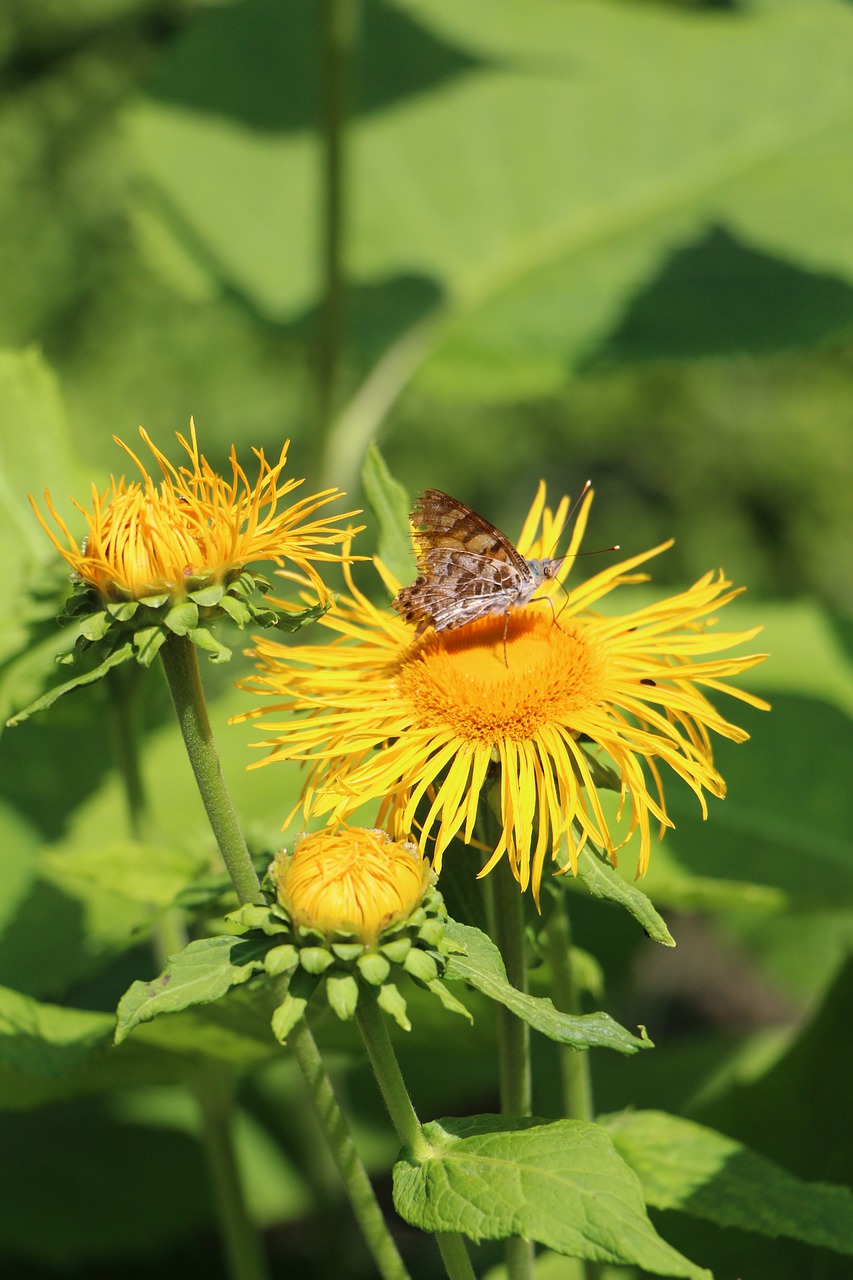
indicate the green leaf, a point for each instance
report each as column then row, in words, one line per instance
column 205, row 970
column 561, row 1184
column 44, row 1039
column 149, row 874
column 530, row 254
column 315, row 960
column 342, row 994
column 94, row 626
column 390, row 505
column 116, row 658
column 292, row 622
column 450, row 1003
column 374, row 968
column 481, row 966
column 202, row 638
column 279, row 960
column 237, row 610
column 391, row 1002
column 300, row 990
column 686, row 1166
column 35, row 453
column 206, row 597
column 148, row 641
column 421, row 965
column 123, row 610
column 602, row 881
column 181, row 619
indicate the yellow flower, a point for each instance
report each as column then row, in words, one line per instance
column 523, row 702
column 195, row 528
column 350, row 880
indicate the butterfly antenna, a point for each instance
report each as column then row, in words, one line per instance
column 575, row 507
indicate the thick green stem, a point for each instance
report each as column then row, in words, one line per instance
column 505, row 905
column 121, row 684
column 339, row 27
column 574, row 1063
column 181, row 666
column 392, row 1086
column 213, row 1092
column 506, row 911
column 345, row 1155
column 243, row 1248
column 386, row 1068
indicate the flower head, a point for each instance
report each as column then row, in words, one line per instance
column 530, row 705
column 354, row 911
column 195, row 528
column 350, row 881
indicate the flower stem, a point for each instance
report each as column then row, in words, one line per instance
column 181, row 666
column 574, row 1063
column 182, row 673
column 386, row 1068
column 122, row 683
column 242, row 1245
column 507, row 922
column 214, row 1096
column 345, row 1155
column 505, row 904
column 389, row 1077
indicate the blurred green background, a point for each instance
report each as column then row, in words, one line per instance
column 571, row 239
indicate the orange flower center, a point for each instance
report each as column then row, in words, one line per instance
column 484, row 689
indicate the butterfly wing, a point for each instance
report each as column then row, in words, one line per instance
column 467, row 568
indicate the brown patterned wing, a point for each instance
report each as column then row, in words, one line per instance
column 467, row 569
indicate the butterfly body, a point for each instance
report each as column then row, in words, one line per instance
column 467, row 569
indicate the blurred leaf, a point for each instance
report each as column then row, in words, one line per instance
column 44, row 1039
column 779, row 1111
column 80, row 908
column 481, row 966
column 538, row 248
column 35, row 453
column 559, row 1183
column 686, row 1166
column 113, row 1202
column 204, row 971
column 389, row 504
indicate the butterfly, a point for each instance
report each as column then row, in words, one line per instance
column 467, row 569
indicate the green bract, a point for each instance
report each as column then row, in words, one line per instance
column 305, row 960
column 126, row 630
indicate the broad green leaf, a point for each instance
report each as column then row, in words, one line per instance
column 390, row 506
column 45, row 1039
column 682, row 1165
column 600, row 880
column 204, row 971
column 560, row 1183
column 481, row 966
